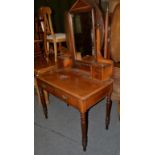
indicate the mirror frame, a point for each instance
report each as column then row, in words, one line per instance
column 76, row 10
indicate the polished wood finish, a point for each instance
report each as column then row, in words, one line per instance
column 84, row 130
column 108, row 110
column 37, row 91
column 102, row 71
column 106, row 35
column 97, row 33
column 65, row 61
column 80, row 83
column 89, row 38
column 43, row 102
column 97, row 27
column 116, row 87
column 78, row 89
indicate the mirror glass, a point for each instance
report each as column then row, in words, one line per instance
column 83, row 35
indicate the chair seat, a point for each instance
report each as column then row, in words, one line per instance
column 58, row 36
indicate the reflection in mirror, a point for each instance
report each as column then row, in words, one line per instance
column 83, row 35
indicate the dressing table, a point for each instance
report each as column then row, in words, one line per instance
column 80, row 82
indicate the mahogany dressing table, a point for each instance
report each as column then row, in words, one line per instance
column 83, row 82
column 77, row 89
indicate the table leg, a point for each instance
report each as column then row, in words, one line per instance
column 43, row 102
column 84, row 130
column 119, row 109
column 37, row 90
column 108, row 110
column 46, row 97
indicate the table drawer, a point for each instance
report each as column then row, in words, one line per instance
column 69, row 99
column 64, row 96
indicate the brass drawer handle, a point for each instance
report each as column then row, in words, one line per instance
column 64, row 97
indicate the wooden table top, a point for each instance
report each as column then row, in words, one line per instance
column 75, row 82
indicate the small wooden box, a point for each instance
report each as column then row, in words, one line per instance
column 65, row 61
column 101, row 71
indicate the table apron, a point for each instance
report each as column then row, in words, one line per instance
column 81, row 104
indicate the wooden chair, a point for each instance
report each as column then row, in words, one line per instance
column 49, row 35
column 40, row 66
column 40, row 63
column 38, row 37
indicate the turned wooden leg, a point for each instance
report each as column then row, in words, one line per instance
column 108, row 110
column 119, row 109
column 38, row 94
column 37, row 90
column 47, row 49
column 84, row 130
column 43, row 102
column 55, row 51
column 46, row 97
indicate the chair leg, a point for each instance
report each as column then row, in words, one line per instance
column 44, row 105
column 37, row 89
column 55, row 51
column 47, row 51
column 38, row 94
column 46, row 97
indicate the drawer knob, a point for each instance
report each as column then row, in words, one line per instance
column 64, row 97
